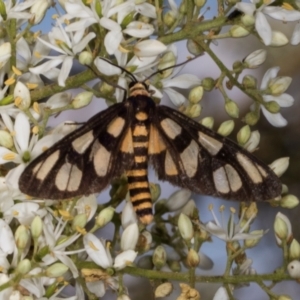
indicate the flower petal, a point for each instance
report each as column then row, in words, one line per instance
column 263, row 28
column 22, row 129
column 277, row 120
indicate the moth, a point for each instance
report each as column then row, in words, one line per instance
column 129, row 136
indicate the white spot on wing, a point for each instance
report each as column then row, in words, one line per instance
column 249, row 168
column 68, row 178
column 212, row 145
column 171, row 128
column 115, row 127
column 234, row 179
column 220, row 180
column 262, row 171
column 189, row 158
column 101, row 160
column 44, row 168
column 83, row 142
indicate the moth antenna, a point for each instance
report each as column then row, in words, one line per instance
column 171, row 67
column 132, row 77
column 110, row 83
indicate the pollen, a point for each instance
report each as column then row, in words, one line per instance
column 10, row 81
column 16, row 71
column 35, row 129
column 36, row 108
column 31, row 86
column 91, row 244
column 18, row 101
column 9, row 156
column 287, row 6
column 65, row 214
column 37, row 54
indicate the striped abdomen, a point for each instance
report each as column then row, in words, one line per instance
column 138, row 183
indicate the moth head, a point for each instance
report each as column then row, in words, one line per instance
column 139, row 88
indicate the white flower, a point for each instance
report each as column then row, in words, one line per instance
column 51, row 235
column 86, row 16
column 278, row 85
column 68, row 45
column 7, row 241
column 259, row 9
column 17, row 10
column 221, row 294
column 27, row 148
column 230, row 231
column 5, row 53
column 87, row 205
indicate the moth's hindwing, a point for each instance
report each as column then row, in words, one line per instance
column 201, row 160
column 83, row 162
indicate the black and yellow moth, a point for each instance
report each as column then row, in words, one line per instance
column 126, row 137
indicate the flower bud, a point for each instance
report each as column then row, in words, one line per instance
column 155, row 191
column 163, row 290
column 3, row 10
column 251, row 118
column 208, row 122
column 123, row 297
column 182, row 8
column 257, row 235
column 248, row 20
column 24, row 266
column 193, row 111
column 194, row 48
column 196, row 94
column 169, row 18
column 38, row 9
column 22, row 96
column 279, row 85
column 149, row 48
column 249, row 82
column 272, row 106
column 282, row 228
column 178, row 199
column 199, row 3
column 280, row 165
column 289, row 201
column 255, row 59
column 226, row 128
column 192, row 259
column 22, row 237
column 237, row 31
column 130, row 237
column 293, row 269
column 159, row 257
column 294, row 250
column 208, row 84
column 174, row 265
column 82, row 99
column 278, row 39
column 85, row 58
column 232, row 109
column 105, row 216
column 6, row 139
column 250, row 211
column 244, row 135
column 167, row 60
column 56, row 270
column 284, row 297
column 36, row 227
column 79, row 222
column 185, row 227
column 253, row 141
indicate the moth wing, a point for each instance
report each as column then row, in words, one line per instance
column 191, row 156
column 83, row 162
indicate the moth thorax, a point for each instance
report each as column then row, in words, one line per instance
column 139, row 88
